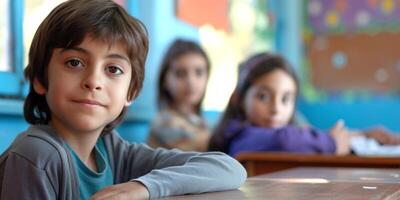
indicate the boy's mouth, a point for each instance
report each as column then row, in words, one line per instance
column 89, row 102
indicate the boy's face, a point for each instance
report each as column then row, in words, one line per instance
column 87, row 85
column 270, row 101
column 186, row 80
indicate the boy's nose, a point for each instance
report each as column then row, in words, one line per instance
column 92, row 82
column 92, row 87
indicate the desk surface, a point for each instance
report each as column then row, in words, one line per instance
column 314, row 183
column 257, row 163
column 335, row 174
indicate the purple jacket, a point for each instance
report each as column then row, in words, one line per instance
column 247, row 137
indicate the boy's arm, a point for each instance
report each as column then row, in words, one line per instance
column 173, row 172
column 131, row 190
column 179, row 173
column 22, row 180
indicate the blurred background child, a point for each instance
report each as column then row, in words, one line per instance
column 259, row 116
column 181, row 86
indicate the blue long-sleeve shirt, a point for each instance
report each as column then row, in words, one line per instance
column 247, row 137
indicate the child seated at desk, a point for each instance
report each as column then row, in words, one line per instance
column 86, row 66
column 259, row 116
column 182, row 84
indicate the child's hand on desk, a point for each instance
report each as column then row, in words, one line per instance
column 342, row 139
column 382, row 136
column 125, row 191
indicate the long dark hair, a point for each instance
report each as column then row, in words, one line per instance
column 177, row 49
column 249, row 71
column 65, row 27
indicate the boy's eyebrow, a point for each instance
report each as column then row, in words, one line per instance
column 118, row 56
column 114, row 55
column 75, row 49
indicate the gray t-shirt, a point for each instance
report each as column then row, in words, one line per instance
column 38, row 166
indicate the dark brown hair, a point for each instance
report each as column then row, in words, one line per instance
column 65, row 27
column 249, row 72
column 177, row 49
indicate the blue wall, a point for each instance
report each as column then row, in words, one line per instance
column 358, row 114
column 9, row 127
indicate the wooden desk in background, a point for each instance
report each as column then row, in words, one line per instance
column 314, row 183
column 264, row 162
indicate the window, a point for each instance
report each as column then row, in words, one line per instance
column 5, row 64
column 15, row 39
column 250, row 32
column 35, row 12
column 10, row 43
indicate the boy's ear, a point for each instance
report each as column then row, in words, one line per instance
column 130, row 99
column 38, row 87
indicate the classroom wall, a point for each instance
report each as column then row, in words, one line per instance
column 10, row 125
column 360, row 110
column 358, row 114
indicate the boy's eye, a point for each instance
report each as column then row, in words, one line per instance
column 114, row 70
column 74, row 63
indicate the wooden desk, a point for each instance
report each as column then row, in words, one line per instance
column 263, row 162
column 291, row 184
column 335, row 174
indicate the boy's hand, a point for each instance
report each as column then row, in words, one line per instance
column 341, row 137
column 383, row 136
column 125, row 191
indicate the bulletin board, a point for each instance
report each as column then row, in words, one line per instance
column 356, row 62
column 352, row 45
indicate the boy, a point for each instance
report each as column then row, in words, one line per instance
column 86, row 65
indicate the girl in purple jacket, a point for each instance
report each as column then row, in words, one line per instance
column 259, row 116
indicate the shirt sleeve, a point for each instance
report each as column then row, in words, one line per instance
column 287, row 139
column 22, row 180
column 173, row 172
